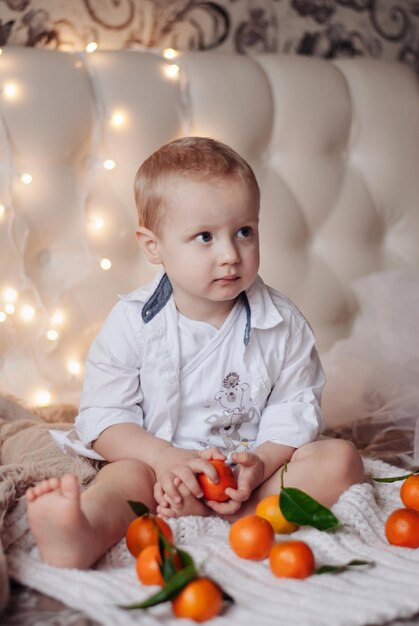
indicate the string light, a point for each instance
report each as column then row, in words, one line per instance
column 27, row 313
column 106, row 264
column 169, row 53
column 172, row 70
column 109, row 164
column 10, row 294
column 10, row 90
column 74, row 367
column 97, row 223
column 53, row 330
column 57, row 318
column 117, row 119
column 91, row 47
column 42, row 398
column 26, row 178
column 1, row 51
column 52, row 334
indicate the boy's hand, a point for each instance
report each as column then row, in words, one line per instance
column 181, row 466
column 250, row 471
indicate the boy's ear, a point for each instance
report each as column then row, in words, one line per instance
column 149, row 244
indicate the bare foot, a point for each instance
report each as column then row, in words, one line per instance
column 190, row 505
column 61, row 530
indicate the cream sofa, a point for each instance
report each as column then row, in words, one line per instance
column 335, row 147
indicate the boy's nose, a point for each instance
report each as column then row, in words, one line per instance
column 229, row 253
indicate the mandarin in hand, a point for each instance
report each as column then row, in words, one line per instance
column 200, row 600
column 251, row 537
column 402, row 528
column 226, row 478
column 269, row 509
column 291, row 559
column 409, row 492
column 144, row 531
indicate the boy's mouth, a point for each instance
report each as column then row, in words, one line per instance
column 230, row 278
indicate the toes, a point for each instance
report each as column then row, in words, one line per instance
column 70, row 486
column 30, row 494
column 41, row 488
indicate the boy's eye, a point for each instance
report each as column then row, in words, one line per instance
column 204, row 237
column 244, row 232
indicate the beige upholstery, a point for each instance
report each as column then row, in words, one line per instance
column 335, row 147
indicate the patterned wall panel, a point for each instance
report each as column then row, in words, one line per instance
column 387, row 29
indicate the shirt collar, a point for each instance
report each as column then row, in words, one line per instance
column 264, row 313
column 260, row 309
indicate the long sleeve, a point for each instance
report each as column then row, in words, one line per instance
column 292, row 415
column 112, row 390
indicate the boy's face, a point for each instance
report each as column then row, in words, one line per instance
column 208, row 243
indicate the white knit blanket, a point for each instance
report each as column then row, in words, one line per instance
column 387, row 591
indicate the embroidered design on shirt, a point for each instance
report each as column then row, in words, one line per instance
column 234, row 413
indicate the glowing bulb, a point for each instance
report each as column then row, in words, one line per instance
column 2, row 210
column 27, row 313
column 91, row 47
column 97, row 223
column 105, row 264
column 10, row 90
column 52, row 334
column 10, row 294
column 109, row 164
column 172, row 70
column 3, row 317
column 57, row 318
column 169, row 53
column 74, row 367
column 117, row 119
column 9, row 308
column 1, row 51
column 26, row 178
column 42, row 397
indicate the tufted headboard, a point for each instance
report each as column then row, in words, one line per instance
column 335, row 147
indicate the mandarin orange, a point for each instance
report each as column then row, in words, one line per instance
column 409, row 492
column 402, row 528
column 144, row 531
column 291, row 559
column 251, row 537
column 200, row 600
column 268, row 508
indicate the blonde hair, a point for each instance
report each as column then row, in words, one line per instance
column 198, row 158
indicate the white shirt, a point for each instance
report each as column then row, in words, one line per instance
column 215, row 392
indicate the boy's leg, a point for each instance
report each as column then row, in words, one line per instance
column 73, row 529
column 324, row 469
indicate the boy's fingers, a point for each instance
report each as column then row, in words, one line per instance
column 188, row 478
column 169, row 488
column 158, row 493
column 165, row 512
column 212, row 453
column 224, row 508
column 245, row 458
column 202, row 465
column 238, row 495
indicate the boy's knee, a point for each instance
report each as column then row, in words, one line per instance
column 132, row 469
column 346, row 461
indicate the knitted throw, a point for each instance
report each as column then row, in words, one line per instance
column 374, row 595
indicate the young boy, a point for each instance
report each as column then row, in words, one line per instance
column 205, row 362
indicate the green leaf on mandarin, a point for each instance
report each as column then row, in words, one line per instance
column 298, row 507
column 139, row 508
